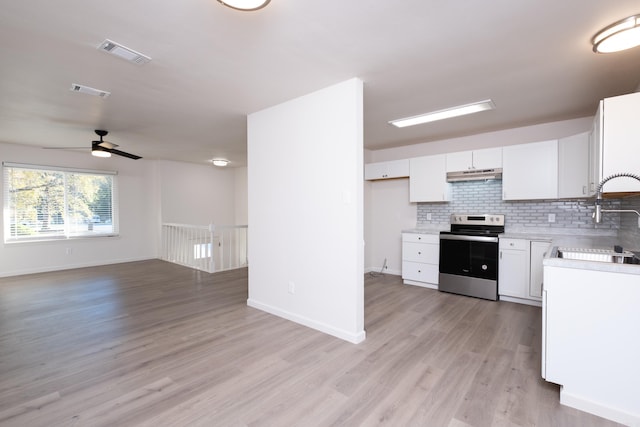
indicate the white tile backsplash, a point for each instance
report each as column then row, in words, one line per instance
column 480, row 197
column 629, row 232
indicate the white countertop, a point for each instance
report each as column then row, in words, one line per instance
column 572, row 238
column 576, row 238
column 436, row 229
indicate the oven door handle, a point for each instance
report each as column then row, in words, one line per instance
column 468, row 238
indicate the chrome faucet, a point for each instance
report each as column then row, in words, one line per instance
column 597, row 215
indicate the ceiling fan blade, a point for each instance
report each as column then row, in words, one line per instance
column 64, row 148
column 105, row 144
column 123, row 154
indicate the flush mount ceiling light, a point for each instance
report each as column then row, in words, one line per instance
column 246, row 5
column 220, row 162
column 618, row 36
column 448, row 113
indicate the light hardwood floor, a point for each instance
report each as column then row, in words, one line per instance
column 155, row 344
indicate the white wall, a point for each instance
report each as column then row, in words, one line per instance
column 138, row 197
column 388, row 210
column 196, row 194
column 389, row 213
column 149, row 192
column 240, row 194
column 305, row 210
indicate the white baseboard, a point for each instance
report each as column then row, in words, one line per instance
column 421, row 284
column 595, row 408
column 386, row 271
column 354, row 338
column 69, row 266
column 521, row 300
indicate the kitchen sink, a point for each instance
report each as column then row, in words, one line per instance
column 600, row 255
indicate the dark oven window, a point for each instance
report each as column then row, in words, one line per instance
column 467, row 258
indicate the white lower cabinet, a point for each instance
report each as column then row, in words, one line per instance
column 520, row 270
column 420, row 259
column 538, row 250
column 589, row 321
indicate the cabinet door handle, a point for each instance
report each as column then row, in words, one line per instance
column 419, row 253
column 500, row 254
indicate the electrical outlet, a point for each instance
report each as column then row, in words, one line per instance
column 292, row 288
column 552, row 218
column 429, row 216
column 69, row 251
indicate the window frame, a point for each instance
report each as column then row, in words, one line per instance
column 68, row 233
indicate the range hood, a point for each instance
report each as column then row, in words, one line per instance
column 474, row 175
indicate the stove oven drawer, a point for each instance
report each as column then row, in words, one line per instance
column 420, row 272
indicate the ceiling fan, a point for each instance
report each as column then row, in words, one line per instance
column 103, row 148
column 99, row 148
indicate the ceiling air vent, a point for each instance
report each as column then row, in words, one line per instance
column 123, row 52
column 89, row 90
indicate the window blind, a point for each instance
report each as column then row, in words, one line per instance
column 48, row 203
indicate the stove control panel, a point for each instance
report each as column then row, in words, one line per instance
column 486, row 219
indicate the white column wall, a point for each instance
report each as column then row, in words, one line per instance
column 305, row 193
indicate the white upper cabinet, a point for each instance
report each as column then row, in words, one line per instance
column 573, row 166
column 387, row 170
column 595, row 154
column 618, row 138
column 530, row 171
column 428, row 179
column 488, row 158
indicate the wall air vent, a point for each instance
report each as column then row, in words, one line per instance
column 89, row 90
column 123, row 52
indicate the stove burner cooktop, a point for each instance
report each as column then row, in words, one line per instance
column 483, row 225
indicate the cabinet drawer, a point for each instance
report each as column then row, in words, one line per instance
column 420, row 252
column 419, row 272
column 514, row 244
column 421, row 238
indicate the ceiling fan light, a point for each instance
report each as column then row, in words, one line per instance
column 245, row 5
column 618, row 36
column 220, row 162
column 99, row 152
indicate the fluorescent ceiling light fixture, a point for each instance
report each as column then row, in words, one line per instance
column 618, row 36
column 98, row 152
column 246, row 5
column 448, row 113
column 220, row 162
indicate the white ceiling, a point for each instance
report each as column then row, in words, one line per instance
column 211, row 66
